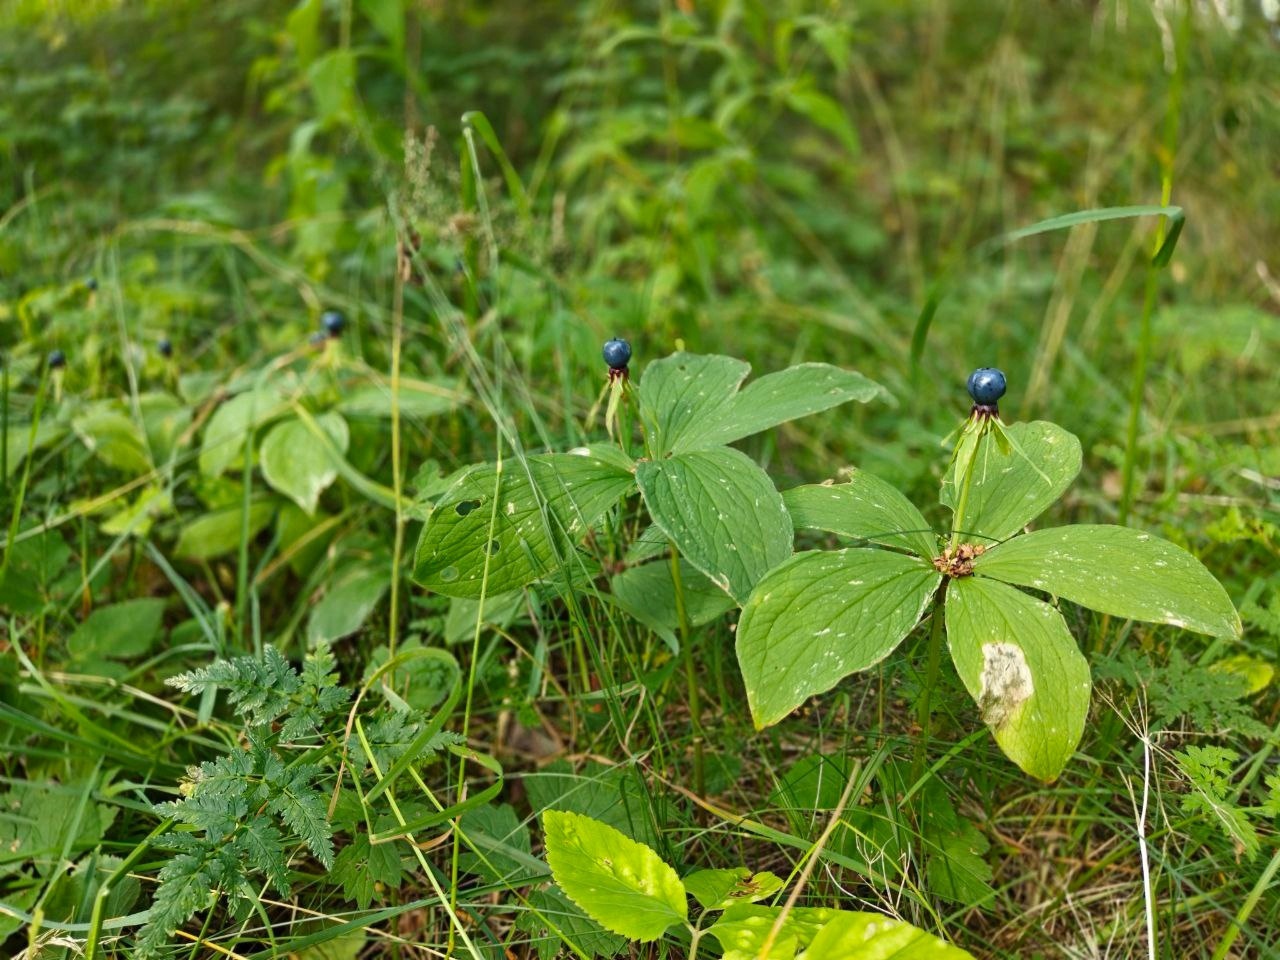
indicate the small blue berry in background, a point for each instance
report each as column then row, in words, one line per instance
column 165, row 346
column 57, row 360
column 617, row 354
column 986, row 386
column 333, row 323
column 91, row 284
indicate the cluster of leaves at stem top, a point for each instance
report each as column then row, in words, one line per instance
column 629, row 890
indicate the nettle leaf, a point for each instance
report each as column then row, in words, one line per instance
column 623, row 885
column 822, row 616
column 865, row 508
column 870, row 936
column 722, row 512
column 224, row 434
column 1022, row 667
column 1010, row 488
column 692, row 402
column 648, row 593
column 523, row 523
column 720, row 889
column 1117, row 570
column 296, row 465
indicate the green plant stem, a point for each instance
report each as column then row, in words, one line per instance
column 1247, row 908
column 690, row 673
column 962, row 502
column 933, row 666
column 16, row 519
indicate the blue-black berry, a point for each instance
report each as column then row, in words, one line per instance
column 91, row 284
column 333, row 323
column 165, row 346
column 57, row 360
column 617, row 354
column 986, row 386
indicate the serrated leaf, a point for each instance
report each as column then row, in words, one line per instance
column 1010, row 489
column 1116, row 570
column 294, row 464
column 822, row 616
column 722, row 512
column 523, row 523
column 692, row 402
column 1022, row 667
column 623, row 885
column 870, row 936
column 225, row 433
column 120, row 630
column 720, row 889
column 866, row 508
column 218, row 532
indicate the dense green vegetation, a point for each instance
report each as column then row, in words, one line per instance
column 307, row 262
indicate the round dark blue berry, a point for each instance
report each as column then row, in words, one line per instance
column 986, row 385
column 165, row 346
column 91, row 284
column 57, row 360
column 617, row 353
column 333, row 323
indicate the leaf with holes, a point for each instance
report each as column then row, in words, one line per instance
column 622, row 885
column 1116, row 570
column 1022, row 667
column 722, row 512
column 693, row 402
column 865, row 508
column 822, row 616
column 1010, row 488
column 521, row 522
column 720, row 889
column 296, row 465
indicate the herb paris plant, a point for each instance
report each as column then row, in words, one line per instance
column 823, row 615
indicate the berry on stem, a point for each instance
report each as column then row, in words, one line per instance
column 617, row 353
column 986, row 386
column 333, row 323
column 57, row 360
column 91, row 284
column 165, row 346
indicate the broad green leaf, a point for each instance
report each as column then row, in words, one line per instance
column 499, row 610
column 120, row 630
column 722, row 512
column 47, row 432
column 114, row 439
column 296, row 465
column 219, row 532
column 1117, row 570
column 347, row 602
column 1256, row 673
column 692, row 402
column 866, row 508
column 418, row 399
column 720, row 889
column 744, row 927
column 523, row 522
column 827, row 113
column 549, row 906
column 648, row 593
column 1022, row 667
column 622, row 885
column 822, row 616
column 1010, row 489
column 225, row 433
column 870, row 936
column 680, row 393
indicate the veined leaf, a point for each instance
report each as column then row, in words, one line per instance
column 296, row 465
column 648, row 593
column 866, row 508
column 622, row 885
column 224, row 434
column 1117, row 570
column 870, row 936
column 719, row 889
column 723, row 513
column 822, row 616
column 1022, row 667
column 744, row 927
column 692, row 402
column 1010, row 489
column 522, row 522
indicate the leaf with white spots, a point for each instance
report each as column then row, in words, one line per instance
column 822, row 616
column 1022, row 667
column 521, row 523
column 1011, row 488
column 866, row 508
column 693, row 402
column 622, row 885
column 1117, row 570
column 722, row 512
